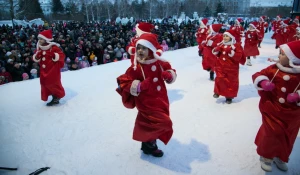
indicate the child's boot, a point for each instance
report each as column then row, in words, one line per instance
column 211, row 75
column 54, row 101
column 280, row 164
column 266, row 164
column 151, row 148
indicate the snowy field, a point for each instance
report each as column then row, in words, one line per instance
column 90, row 132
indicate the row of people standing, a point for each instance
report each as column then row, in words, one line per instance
column 278, row 85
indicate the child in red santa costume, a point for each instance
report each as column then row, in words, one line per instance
column 51, row 59
column 253, row 38
column 229, row 55
column 238, row 29
column 261, row 25
column 140, row 29
column 201, row 35
column 143, row 86
column 212, row 40
column 279, row 89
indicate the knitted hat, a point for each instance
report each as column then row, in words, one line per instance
column 149, row 40
column 143, row 27
column 215, row 27
column 46, row 35
column 204, row 22
column 25, row 75
column 292, row 51
column 33, row 71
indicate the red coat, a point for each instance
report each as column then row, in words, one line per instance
column 261, row 27
column 282, row 35
column 276, row 24
column 50, row 77
column 280, row 119
column 251, row 42
column 240, row 30
column 201, row 36
column 227, row 70
column 209, row 59
column 292, row 33
column 153, row 120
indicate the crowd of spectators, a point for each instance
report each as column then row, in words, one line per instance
column 85, row 44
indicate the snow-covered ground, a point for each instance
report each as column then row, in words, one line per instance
column 90, row 132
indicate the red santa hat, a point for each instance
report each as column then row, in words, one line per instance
column 215, row 27
column 46, row 35
column 204, row 22
column 143, row 27
column 292, row 51
column 278, row 16
column 254, row 24
column 232, row 34
column 238, row 20
column 263, row 18
column 149, row 40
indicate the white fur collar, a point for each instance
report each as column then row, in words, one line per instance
column 288, row 69
column 146, row 61
column 47, row 47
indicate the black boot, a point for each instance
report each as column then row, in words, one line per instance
column 151, row 148
column 276, row 47
column 211, row 75
column 259, row 45
column 54, row 101
column 228, row 100
column 216, row 95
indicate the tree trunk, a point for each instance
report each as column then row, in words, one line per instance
column 12, row 13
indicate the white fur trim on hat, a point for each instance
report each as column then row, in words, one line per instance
column 56, row 58
column 139, row 32
column 150, row 46
column 202, row 25
column 291, row 56
column 130, row 51
column 211, row 29
column 43, row 37
column 258, row 80
column 229, row 34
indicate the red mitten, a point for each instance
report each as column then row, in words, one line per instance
column 217, row 49
column 51, row 54
column 38, row 54
column 166, row 75
column 228, row 49
column 144, row 85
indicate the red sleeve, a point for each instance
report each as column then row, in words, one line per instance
column 59, row 56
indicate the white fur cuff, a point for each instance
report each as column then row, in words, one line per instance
column 231, row 54
column 174, row 76
column 34, row 58
column 56, row 58
column 133, row 88
column 213, row 52
column 258, row 80
column 209, row 43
